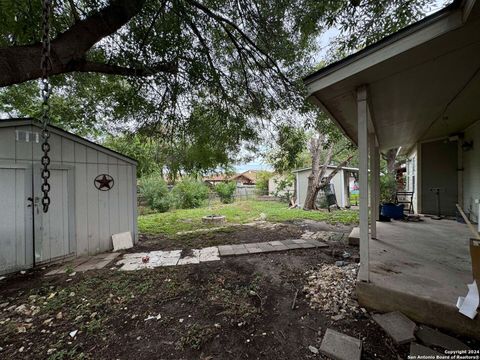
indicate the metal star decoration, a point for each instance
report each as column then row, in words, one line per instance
column 103, row 182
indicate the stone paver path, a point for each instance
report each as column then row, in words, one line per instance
column 152, row 259
column 270, row 246
column 85, row 263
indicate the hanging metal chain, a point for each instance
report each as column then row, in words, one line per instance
column 45, row 92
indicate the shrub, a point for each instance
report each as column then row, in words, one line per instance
column 189, row 194
column 155, row 192
column 262, row 182
column 225, row 191
column 388, row 188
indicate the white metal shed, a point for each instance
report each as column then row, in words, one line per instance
column 340, row 181
column 82, row 215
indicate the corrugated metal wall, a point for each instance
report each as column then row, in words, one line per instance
column 96, row 215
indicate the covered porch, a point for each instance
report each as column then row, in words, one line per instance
column 420, row 268
column 416, row 90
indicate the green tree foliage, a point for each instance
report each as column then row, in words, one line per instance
column 261, row 183
column 208, row 141
column 226, row 191
column 240, row 57
column 388, row 188
column 155, row 192
column 189, row 193
column 148, row 152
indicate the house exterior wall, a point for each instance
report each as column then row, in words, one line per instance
column 471, row 173
column 96, row 214
column 412, row 176
column 302, row 185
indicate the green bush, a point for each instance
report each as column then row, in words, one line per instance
column 225, row 191
column 261, row 184
column 388, row 188
column 189, row 194
column 155, row 192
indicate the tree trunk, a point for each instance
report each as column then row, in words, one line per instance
column 390, row 157
column 318, row 171
column 317, row 179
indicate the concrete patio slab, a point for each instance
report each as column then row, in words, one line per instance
column 420, row 269
column 339, row 346
column 400, row 328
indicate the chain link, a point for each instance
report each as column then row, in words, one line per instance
column 45, row 93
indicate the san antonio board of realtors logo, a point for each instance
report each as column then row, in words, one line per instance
column 103, row 182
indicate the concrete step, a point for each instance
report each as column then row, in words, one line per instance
column 421, row 309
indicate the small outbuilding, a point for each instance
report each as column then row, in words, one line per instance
column 343, row 184
column 93, row 195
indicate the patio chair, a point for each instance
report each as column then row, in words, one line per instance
column 405, row 198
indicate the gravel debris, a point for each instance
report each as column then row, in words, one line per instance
column 332, row 289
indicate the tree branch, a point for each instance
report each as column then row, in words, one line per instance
column 90, row 66
column 68, row 49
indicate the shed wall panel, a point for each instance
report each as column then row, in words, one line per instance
column 68, row 150
column 103, row 207
column 7, row 143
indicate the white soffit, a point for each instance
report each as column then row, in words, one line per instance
column 427, row 91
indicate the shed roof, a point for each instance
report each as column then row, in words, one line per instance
column 328, row 166
column 4, row 123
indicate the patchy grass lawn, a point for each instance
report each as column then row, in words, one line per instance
column 240, row 212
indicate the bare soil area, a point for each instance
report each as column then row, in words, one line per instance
column 235, row 308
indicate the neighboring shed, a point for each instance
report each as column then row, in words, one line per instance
column 274, row 183
column 342, row 182
column 82, row 215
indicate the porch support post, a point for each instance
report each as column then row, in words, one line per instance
column 362, row 119
column 373, row 185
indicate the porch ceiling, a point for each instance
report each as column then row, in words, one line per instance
column 430, row 90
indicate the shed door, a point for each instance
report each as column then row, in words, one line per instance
column 439, row 171
column 52, row 233
column 16, row 243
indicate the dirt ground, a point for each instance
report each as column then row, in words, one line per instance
column 235, row 308
column 262, row 231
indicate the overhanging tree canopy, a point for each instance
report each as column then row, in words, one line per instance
column 145, row 63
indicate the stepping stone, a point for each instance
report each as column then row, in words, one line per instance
column 278, row 246
column 275, row 243
column 239, row 249
column 431, row 337
column 400, row 328
column 226, row 250
column 193, row 259
column 209, row 254
column 317, row 243
column 299, row 241
column 354, row 237
column 417, row 350
column 307, row 245
column 339, row 346
column 266, row 247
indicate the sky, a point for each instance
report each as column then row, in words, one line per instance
column 323, row 42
